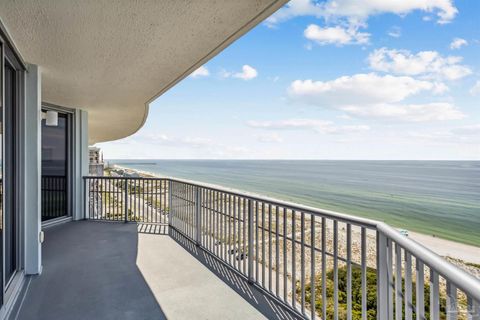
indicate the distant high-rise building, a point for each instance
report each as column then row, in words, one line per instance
column 96, row 165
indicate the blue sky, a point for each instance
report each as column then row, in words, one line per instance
column 342, row 79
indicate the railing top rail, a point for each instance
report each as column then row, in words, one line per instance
column 364, row 222
column 462, row 279
column 368, row 223
column 123, row 178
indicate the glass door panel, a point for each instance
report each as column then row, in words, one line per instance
column 10, row 219
column 55, row 169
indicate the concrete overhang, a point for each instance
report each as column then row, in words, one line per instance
column 112, row 58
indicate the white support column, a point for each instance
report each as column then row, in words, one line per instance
column 33, row 223
column 80, row 163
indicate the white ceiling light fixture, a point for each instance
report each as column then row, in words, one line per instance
column 50, row 117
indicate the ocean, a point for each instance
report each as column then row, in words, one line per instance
column 440, row 198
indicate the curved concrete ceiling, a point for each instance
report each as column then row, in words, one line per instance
column 112, row 58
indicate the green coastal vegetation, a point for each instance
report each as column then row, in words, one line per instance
column 357, row 295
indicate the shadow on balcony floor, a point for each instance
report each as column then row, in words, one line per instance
column 90, row 272
column 265, row 304
column 100, row 270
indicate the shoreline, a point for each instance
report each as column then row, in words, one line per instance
column 447, row 248
column 443, row 247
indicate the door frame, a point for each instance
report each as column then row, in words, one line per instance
column 8, row 53
column 70, row 162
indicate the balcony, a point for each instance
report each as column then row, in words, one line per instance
column 100, row 270
column 207, row 252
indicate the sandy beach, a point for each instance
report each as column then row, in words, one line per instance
column 447, row 248
column 442, row 247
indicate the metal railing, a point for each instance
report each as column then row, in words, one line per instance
column 127, row 199
column 54, row 197
column 320, row 263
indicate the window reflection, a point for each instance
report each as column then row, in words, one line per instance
column 55, row 169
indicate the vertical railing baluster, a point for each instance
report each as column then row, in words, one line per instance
column 285, row 257
column 324, row 268
column 382, row 277
column 335, row 269
column 198, row 217
column 419, row 291
column 225, row 226
column 364, row 272
column 390, row 279
column 473, row 309
column 142, row 199
column 246, row 212
column 277, row 253
column 257, row 227
column 216, row 218
column 451, row 301
column 270, row 247
column 263, row 244
column 294, row 260
column 125, row 201
column 434, row 296
column 312, row 267
column 398, row 282
column 210, row 221
column 302, row 262
column 250, row 240
column 170, row 203
column 229, row 229
column 86, row 214
column 408, row 286
column 349, row 271
column 239, row 234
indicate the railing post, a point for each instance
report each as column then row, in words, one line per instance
column 86, row 205
column 170, row 207
column 125, row 200
column 382, row 277
column 198, row 219
column 250, row 241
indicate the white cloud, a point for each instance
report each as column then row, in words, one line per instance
column 195, row 142
column 444, row 9
column 336, row 35
column 355, row 10
column 437, row 111
column 321, row 126
column 457, row 43
column 472, row 130
column 475, row 90
column 270, row 138
column 194, row 145
column 466, row 134
column 395, row 32
column 428, row 64
column 200, row 72
column 362, row 89
column 374, row 96
column 248, row 73
column 224, row 74
column 295, row 8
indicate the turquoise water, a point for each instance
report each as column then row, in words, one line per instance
column 441, row 198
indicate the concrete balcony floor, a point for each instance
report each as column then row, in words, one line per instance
column 100, row 270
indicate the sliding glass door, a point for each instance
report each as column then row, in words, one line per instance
column 11, row 213
column 10, row 225
column 2, row 176
column 56, row 167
